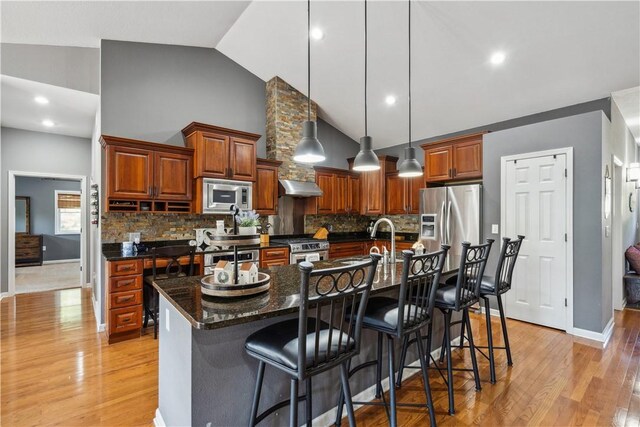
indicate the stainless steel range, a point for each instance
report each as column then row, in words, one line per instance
column 306, row 249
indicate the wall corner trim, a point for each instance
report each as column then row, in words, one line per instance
column 602, row 337
column 158, row 421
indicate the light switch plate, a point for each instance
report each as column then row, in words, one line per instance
column 495, row 229
column 44, row 248
column 607, row 231
column 166, row 319
column 133, row 236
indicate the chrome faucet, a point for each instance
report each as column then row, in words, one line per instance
column 392, row 258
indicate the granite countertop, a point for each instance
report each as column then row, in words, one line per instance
column 113, row 252
column 206, row 312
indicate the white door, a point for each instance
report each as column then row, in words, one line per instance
column 536, row 208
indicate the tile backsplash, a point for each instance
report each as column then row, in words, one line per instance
column 359, row 223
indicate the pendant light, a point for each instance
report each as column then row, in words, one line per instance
column 309, row 149
column 409, row 167
column 366, row 160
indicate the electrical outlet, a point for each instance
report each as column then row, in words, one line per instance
column 44, row 248
column 166, row 319
column 495, row 229
column 133, row 237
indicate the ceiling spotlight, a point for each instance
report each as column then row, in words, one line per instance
column 41, row 100
column 317, row 34
column 390, row 100
column 498, row 58
column 48, row 123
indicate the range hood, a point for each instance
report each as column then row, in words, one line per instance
column 299, row 188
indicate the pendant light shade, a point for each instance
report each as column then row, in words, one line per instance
column 409, row 167
column 366, row 160
column 309, row 149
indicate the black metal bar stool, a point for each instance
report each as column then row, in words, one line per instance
column 504, row 272
column 308, row 346
column 400, row 318
column 173, row 269
column 458, row 294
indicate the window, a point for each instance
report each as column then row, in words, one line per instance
column 68, row 213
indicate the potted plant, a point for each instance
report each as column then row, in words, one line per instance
column 247, row 222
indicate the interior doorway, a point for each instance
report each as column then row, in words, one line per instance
column 617, row 250
column 47, row 231
column 536, row 201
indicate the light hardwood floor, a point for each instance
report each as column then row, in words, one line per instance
column 56, row 370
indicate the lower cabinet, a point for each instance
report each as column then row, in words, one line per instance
column 346, row 249
column 274, row 257
column 124, row 294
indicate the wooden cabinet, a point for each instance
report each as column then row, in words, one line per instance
column 341, row 191
column 124, row 294
column 346, row 249
column 145, row 176
column 274, row 257
column 221, row 152
column 453, row 159
column 372, row 186
column 265, row 190
column 28, row 249
column 402, row 194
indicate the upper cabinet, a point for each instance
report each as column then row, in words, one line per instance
column 222, row 153
column 402, row 194
column 372, row 186
column 340, row 191
column 144, row 176
column 453, row 159
column 265, row 189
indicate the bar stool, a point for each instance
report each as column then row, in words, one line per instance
column 173, row 269
column 458, row 294
column 504, row 272
column 308, row 346
column 399, row 319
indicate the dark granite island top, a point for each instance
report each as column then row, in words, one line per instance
column 206, row 312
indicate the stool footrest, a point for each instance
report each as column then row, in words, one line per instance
column 277, row 406
column 411, row 405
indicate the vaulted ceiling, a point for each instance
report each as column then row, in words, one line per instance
column 557, row 53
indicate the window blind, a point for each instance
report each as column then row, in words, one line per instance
column 68, row 201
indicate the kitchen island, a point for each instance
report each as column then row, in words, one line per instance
column 206, row 378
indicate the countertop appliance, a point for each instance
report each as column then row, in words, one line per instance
column 450, row 215
column 306, row 249
column 218, row 195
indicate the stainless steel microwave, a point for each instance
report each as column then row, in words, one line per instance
column 218, row 195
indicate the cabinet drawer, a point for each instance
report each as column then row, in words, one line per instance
column 346, row 248
column 125, row 283
column 162, row 262
column 274, row 253
column 274, row 263
column 125, row 319
column 125, row 268
column 125, row 299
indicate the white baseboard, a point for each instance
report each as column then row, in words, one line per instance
column 87, row 285
column 4, row 294
column 158, row 421
column 494, row 311
column 368, row 394
column 102, row 327
column 61, row 261
column 602, row 337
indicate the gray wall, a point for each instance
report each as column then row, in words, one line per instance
column 71, row 67
column 28, row 151
column 584, row 133
column 151, row 91
column 42, row 194
column 603, row 104
column 338, row 147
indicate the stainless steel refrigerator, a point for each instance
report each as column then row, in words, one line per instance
column 450, row 215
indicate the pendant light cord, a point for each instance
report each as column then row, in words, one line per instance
column 308, row 60
column 410, row 73
column 366, row 132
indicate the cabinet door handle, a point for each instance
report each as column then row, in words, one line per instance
column 230, row 172
column 151, row 191
column 450, row 173
column 455, row 172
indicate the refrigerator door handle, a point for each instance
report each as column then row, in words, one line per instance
column 442, row 236
column 449, row 223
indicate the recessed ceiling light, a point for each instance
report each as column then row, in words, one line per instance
column 41, row 100
column 317, row 33
column 498, row 58
column 48, row 123
column 390, row 100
